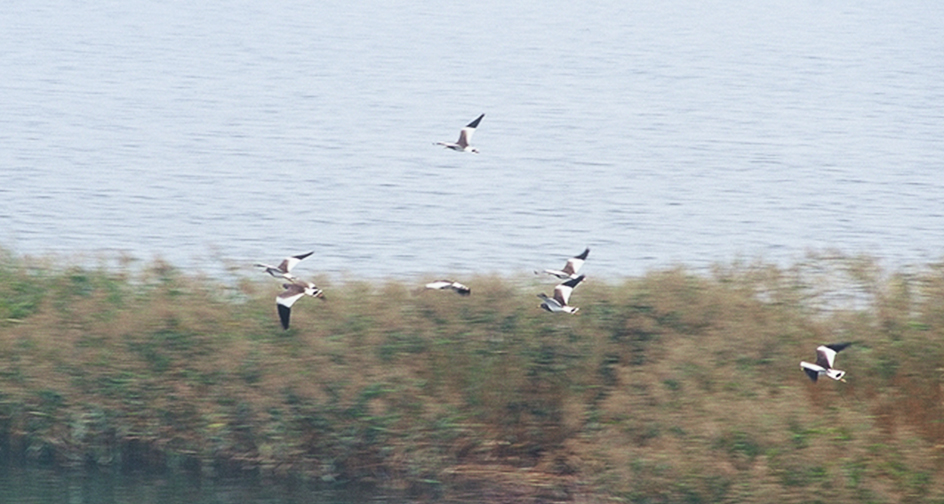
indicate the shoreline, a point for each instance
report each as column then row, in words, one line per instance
column 666, row 386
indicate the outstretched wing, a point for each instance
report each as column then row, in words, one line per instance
column 285, row 313
column 563, row 290
column 291, row 262
column 291, row 294
column 812, row 374
column 574, row 263
column 826, row 354
column 465, row 134
column 475, row 124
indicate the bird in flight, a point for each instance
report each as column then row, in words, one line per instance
column 465, row 136
column 449, row 284
column 562, row 292
column 285, row 267
column 825, row 356
column 293, row 292
column 571, row 268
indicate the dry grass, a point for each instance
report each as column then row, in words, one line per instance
column 670, row 387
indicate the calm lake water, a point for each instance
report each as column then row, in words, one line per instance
column 654, row 132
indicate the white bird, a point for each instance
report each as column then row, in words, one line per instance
column 562, row 291
column 825, row 356
column 449, row 284
column 465, row 136
column 293, row 292
column 283, row 269
column 571, row 268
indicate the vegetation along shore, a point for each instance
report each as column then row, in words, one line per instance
column 673, row 386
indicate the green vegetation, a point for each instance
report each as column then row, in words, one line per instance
column 676, row 386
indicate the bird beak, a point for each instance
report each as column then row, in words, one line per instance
column 842, row 380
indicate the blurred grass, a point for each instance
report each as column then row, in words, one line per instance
column 670, row 387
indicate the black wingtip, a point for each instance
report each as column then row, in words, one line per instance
column 302, row 256
column 573, row 282
column 838, row 347
column 584, row 254
column 284, row 313
column 475, row 123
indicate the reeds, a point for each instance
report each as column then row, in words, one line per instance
column 673, row 386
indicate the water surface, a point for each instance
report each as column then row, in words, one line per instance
column 654, row 132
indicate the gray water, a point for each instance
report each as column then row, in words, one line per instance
column 654, row 132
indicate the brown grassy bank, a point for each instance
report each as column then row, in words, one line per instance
column 669, row 387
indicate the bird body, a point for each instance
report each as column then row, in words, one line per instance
column 293, row 292
column 571, row 268
column 285, row 267
column 562, row 292
column 449, row 284
column 465, row 136
column 825, row 356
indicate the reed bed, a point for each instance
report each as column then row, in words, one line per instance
column 674, row 386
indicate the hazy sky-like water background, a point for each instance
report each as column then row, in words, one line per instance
column 656, row 133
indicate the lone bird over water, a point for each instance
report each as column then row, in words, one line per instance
column 293, row 292
column 825, row 356
column 465, row 136
column 562, row 292
column 571, row 268
column 283, row 269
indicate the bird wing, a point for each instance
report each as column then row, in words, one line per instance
column 549, row 304
column 285, row 313
column 287, row 264
column 811, row 373
column 475, row 124
column 291, row 262
column 571, row 267
column 563, row 290
column 465, row 136
column 559, row 274
column 574, row 263
column 303, row 256
column 291, row 294
column 439, row 284
column 829, row 353
column 825, row 356
column 562, row 294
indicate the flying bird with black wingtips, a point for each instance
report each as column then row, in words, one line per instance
column 285, row 267
column 465, row 136
column 571, row 268
column 293, row 292
column 825, row 356
column 562, row 293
